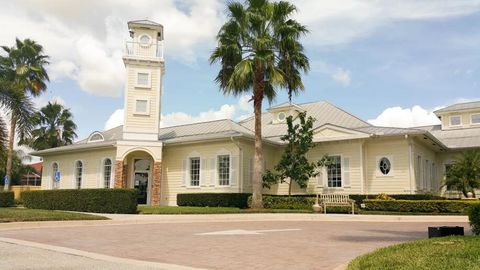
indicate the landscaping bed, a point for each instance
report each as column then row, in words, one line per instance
column 456, row 252
column 23, row 214
column 180, row 210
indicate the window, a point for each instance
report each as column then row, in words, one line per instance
column 281, row 117
column 144, row 40
column 107, row 172
column 455, row 120
column 141, row 106
column 448, row 167
column 418, row 164
column 55, row 175
column 78, row 174
column 195, row 171
column 426, row 174
column 143, row 79
column 334, row 171
column 475, row 118
column 96, row 137
column 223, row 162
column 384, row 165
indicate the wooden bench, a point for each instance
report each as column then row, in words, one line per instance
column 336, row 200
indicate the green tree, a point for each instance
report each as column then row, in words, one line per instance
column 54, row 127
column 294, row 165
column 464, row 174
column 23, row 74
column 19, row 169
column 259, row 52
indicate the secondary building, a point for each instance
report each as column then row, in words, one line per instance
column 217, row 156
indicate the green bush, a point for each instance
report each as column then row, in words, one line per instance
column 83, row 200
column 238, row 200
column 474, row 217
column 6, row 198
column 425, row 206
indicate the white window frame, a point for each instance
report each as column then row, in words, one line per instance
column 284, row 118
column 90, row 139
column 217, row 178
column 188, row 182
column 103, row 172
column 450, row 120
column 148, row 106
column 377, row 166
column 471, row 119
column 53, row 174
column 75, row 174
column 149, row 82
column 341, row 173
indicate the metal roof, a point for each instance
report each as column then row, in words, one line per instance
column 467, row 106
column 455, row 138
column 144, row 22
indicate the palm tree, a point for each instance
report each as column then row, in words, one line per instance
column 54, row 128
column 464, row 174
column 259, row 51
column 23, row 73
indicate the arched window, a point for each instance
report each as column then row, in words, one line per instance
column 107, row 172
column 55, row 176
column 78, row 174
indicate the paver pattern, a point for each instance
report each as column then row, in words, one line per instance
column 312, row 245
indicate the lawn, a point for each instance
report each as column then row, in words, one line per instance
column 24, row 214
column 443, row 253
column 178, row 210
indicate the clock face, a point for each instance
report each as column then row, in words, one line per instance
column 144, row 39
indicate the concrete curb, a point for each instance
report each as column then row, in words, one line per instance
column 97, row 256
column 124, row 219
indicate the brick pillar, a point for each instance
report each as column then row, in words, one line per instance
column 119, row 174
column 157, row 178
column 125, row 174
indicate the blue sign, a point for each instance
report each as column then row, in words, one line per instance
column 7, row 180
column 56, row 177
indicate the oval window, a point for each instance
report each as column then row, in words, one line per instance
column 281, row 117
column 385, row 166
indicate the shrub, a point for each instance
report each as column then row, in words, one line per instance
column 474, row 217
column 426, row 206
column 213, row 199
column 296, row 202
column 83, row 200
column 6, row 198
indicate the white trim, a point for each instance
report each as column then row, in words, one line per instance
column 284, row 117
column 96, row 133
column 378, row 173
column 362, row 175
column 188, row 183
column 326, row 187
column 82, row 182
column 223, row 152
column 102, row 172
column 149, row 82
column 471, row 116
column 450, row 120
column 135, row 106
column 52, row 176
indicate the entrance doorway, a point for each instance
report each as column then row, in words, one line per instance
column 141, row 177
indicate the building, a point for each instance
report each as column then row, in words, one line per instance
column 33, row 177
column 217, row 156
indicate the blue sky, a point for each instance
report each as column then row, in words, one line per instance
column 389, row 63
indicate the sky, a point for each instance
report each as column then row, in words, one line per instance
column 389, row 62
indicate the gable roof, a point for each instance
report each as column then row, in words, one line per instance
column 466, row 106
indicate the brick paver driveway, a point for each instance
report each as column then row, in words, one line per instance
column 233, row 245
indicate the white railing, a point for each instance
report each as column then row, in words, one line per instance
column 137, row 49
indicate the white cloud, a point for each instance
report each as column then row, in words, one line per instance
column 337, row 74
column 41, row 101
column 408, row 117
column 242, row 109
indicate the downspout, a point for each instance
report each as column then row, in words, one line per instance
column 410, row 162
column 240, row 165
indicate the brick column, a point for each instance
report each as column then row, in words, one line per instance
column 119, row 174
column 157, row 178
column 125, row 174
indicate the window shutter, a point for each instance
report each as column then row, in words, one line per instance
column 234, row 171
column 346, row 172
column 251, row 170
column 213, row 171
column 203, row 171
column 325, row 177
column 184, row 173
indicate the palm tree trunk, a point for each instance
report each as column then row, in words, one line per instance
column 11, row 140
column 257, row 186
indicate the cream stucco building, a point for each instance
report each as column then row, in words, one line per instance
column 217, row 156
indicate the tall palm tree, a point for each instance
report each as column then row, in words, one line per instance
column 54, row 127
column 259, row 52
column 464, row 174
column 23, row 72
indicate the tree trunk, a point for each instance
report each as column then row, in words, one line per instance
column 290, row 187
column 11, row 141
column 257, row 186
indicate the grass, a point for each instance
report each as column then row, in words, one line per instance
column 24, row 214
column 180, row 210
column 455, row 252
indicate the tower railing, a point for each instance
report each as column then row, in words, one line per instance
column 142, row 50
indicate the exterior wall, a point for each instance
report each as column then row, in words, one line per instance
column 172, row 181
column 426, row 180
column 92, row 168
column 397, row 150
column 465, row 116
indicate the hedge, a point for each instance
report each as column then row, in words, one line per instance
column 6, row 198
column 474, row 217
column 213, row 199
column 426, row 206
column 122, row 201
